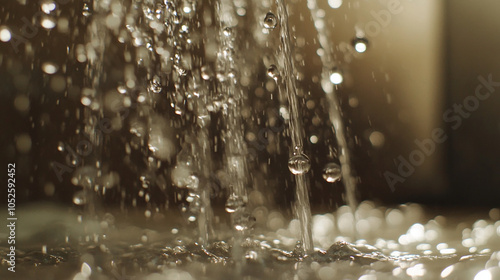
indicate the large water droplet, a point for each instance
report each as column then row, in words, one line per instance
column 332, row 172
column 273, row 72
column 270, row 21
column 299, row 164
column 234, row 203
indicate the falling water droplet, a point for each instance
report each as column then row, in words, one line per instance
column 360, row 44
column 86, row 10
column 206, row 73
column 273, row 72
column 270, row 21
column 335, row 4
column 299, row 164
column 228, row 32
column 48, row 6
column 48, row 22
column 331, row 172
column 79, row 198
column 50, row 68
column 336, row 78
column 234, row 203
column 5, row 34
column 155, row 85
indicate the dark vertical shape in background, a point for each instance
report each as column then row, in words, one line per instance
column 473, row 44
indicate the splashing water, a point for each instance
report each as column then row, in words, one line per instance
column 185, row 115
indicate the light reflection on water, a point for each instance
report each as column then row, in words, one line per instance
column 403, row 243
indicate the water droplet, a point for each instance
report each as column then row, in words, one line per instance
column 48, row 22
column 187, row 9
column 234, row 203
column 5, row 34
column 206, row 73
column 360, row 44
column 79, row 198
column 86, row 10
column 377, row 139
column 155, row 85
column 86, row 101
column 228, row 32
column 332, row 172
column 270, row 21
column 273, row 72
column 299, row 164
column 60, row 146
column 335, row 4
column 48, row 6
column 336, row 78
column 50, row 67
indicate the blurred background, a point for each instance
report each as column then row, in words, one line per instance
column 422, row 57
